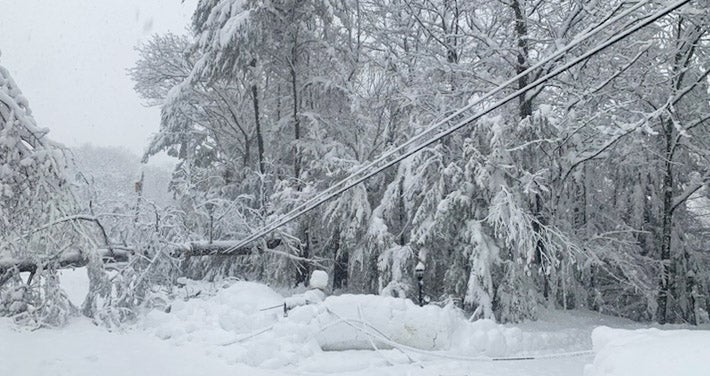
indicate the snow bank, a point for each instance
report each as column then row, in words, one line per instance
column 237, row 319
column 84, row 349
column 234, row 309
column 650, row 352
column 400, row 320
column 427, row 328
column 243, row 322
column 225, row 319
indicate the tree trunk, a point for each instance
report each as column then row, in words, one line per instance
column 296, row 120
column 302, row 267
column 682, row 59
column 257, row 123
column 220, row 248
column 77, row 259
column 525, row 111
column 521, row 31
column 667, row 225
column 340, row 263
column 68, row 259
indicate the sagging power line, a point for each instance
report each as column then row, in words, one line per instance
column 376, row 166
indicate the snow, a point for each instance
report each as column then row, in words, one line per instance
column 428, row 327
column 75, row 282
column 314, row 296
column 236, row 327
column 83, row 349
column 649, row 352
column 232, row 310
column 319, row 280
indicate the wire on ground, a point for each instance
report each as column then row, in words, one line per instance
column 375, row 334
column 381, row 337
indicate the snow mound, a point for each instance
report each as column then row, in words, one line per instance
column 357, row 322
column 244, row 322
column 349, row 322
column 319, row 280
column 225, row 321
column 649, row 352
column 217, row 318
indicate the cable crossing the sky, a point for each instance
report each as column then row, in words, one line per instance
column 376, row 166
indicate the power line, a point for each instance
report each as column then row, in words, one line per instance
column 591, row 31
column 352, row 181
column 371, row 331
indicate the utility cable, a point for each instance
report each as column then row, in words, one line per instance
column 557, row 54
column 367, row 329
column 346, row 184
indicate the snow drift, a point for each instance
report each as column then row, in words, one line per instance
column 243, row 322
column 649, row 352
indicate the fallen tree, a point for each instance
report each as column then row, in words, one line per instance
column 78, row 258
column 222, row 248
column 67, row 259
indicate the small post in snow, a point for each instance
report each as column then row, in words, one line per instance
column 419, row 273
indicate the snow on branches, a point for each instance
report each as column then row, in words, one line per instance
column 33, row 193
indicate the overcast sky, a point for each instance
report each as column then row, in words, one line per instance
column 69, row 58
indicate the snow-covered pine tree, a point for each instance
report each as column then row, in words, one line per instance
column 554, row 200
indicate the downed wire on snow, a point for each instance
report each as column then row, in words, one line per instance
column 372, row 332
column 375, row 334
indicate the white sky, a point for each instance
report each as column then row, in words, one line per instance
column 69, row 57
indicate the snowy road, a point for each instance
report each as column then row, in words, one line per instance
column 197, row 337
column 84, row 349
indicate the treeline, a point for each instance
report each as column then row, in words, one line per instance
column 588, row 191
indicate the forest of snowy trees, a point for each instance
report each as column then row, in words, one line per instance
column 591, row 190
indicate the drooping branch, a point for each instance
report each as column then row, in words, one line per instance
column 77, row 217
column 685, row 195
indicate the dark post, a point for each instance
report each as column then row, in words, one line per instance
column 419, row 273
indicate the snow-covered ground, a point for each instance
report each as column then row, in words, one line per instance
column 650, row 352
column 226, row 329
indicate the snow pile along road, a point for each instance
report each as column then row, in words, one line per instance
column 232, row 310
column 650, row 352
column 349, row 322
column 226, row 324
column 227, row 328
column 234, row 325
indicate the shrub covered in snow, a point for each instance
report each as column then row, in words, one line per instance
column 35, row 206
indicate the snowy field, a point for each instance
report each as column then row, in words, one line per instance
column 225, row 331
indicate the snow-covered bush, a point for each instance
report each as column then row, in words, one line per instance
column 37, row 227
